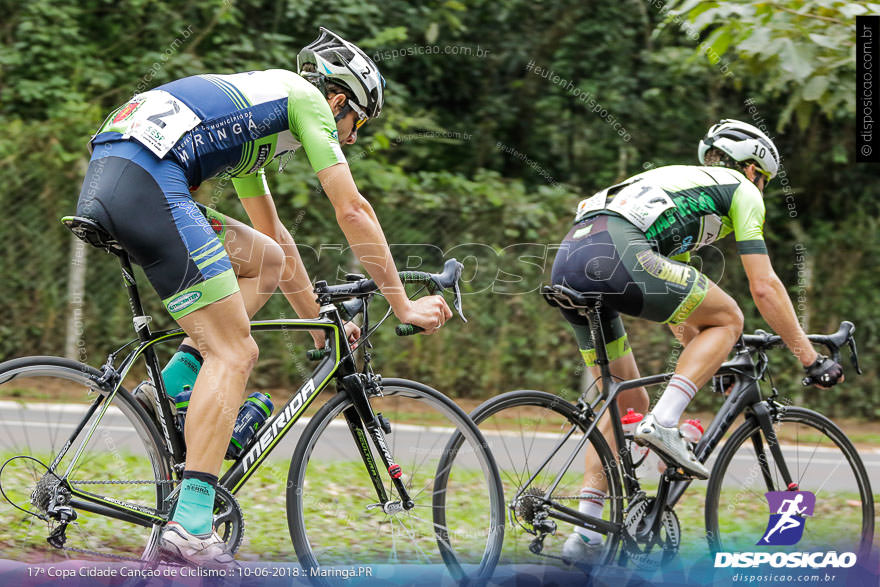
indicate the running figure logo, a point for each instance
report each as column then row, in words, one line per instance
column 787, row 511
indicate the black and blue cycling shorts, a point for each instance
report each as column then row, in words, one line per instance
column 145, row 203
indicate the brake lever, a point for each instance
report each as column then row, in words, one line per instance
column 854, row 354
column 456, row 301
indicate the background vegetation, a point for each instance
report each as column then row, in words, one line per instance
column 476, row 156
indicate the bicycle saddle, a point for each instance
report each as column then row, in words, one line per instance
column 89, row 231
column 560, row 296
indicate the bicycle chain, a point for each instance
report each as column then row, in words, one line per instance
column 119, row 557
column 125, row 482
column 579, row 497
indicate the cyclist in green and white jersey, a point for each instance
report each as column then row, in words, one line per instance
column 631, row 242
column 213, row 272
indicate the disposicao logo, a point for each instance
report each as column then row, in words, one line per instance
column 786, row 525
column 786, row 528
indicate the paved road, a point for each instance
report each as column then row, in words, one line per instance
column 45, row 425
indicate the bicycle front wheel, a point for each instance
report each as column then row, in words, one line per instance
column 47, row 406
column 820, row 459
column 333, row 510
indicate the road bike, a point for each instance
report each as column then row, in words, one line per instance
column 103, row 473
column 539, row 441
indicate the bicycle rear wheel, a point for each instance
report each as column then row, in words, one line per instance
column 332, row 504
column 533, row 433
column 820, row 458
column 42, row 402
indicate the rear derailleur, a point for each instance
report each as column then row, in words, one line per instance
column 52, row 498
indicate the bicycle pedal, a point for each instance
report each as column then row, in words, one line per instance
column 678, row 474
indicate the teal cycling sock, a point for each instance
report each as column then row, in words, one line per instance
column 182, row 370
column 195, row 506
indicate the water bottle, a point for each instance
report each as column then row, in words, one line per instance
column 630, row 421
column 692, row 431
column 181, row 405
column 255, row 411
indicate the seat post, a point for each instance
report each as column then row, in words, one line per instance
column 593, row 314
column 140, row 319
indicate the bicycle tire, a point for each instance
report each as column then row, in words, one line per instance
column 72, row 377
column 461, row 570
column 568, row 411
column 797, row 415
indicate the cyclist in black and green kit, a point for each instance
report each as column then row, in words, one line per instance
column 213, row 272
column 631, row 243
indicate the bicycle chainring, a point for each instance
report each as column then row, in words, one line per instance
column 658, row 549
column 228, row 519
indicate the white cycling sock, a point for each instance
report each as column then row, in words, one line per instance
column 592, row 506
column 678, row 394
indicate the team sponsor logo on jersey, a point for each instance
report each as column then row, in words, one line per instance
column 127, row 111
column 216, row 224
column 184, row 300
column 262, row 156
column 662, row 268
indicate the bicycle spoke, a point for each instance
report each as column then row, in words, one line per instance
column 409, row 536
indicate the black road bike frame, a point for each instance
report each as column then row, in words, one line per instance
column 743, row 372
column 336, row 362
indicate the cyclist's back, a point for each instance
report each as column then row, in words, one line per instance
column 229, row 124
column 631, row 243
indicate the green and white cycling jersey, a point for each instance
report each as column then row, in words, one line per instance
column 681, row 208
column 229, row 125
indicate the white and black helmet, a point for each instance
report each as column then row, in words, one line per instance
column 742, row 142
column 344, row 64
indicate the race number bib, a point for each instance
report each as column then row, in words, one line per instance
column 159, row 120
column 591, row 204
column 710, row 228
column 641, row 204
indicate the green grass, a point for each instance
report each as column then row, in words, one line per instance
column 347, row 532
column 337, row 513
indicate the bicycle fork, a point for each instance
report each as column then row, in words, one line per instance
column 362, row 421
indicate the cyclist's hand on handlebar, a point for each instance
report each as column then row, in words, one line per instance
column 428, row 313
column 352, row 333
column 824, row 373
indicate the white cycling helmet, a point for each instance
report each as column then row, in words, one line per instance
column 344, row 64
column 742, row 142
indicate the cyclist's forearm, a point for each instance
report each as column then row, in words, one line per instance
column 775, row 306
column 364, row 234
column 295, row 283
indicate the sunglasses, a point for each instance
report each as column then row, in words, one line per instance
column 362, row 116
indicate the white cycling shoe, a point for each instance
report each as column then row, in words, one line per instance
column 208, row 550
column 669, row 444
column 580, row 549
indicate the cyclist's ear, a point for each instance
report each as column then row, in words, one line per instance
column 337, row 102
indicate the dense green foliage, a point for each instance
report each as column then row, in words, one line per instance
column 477, row 155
